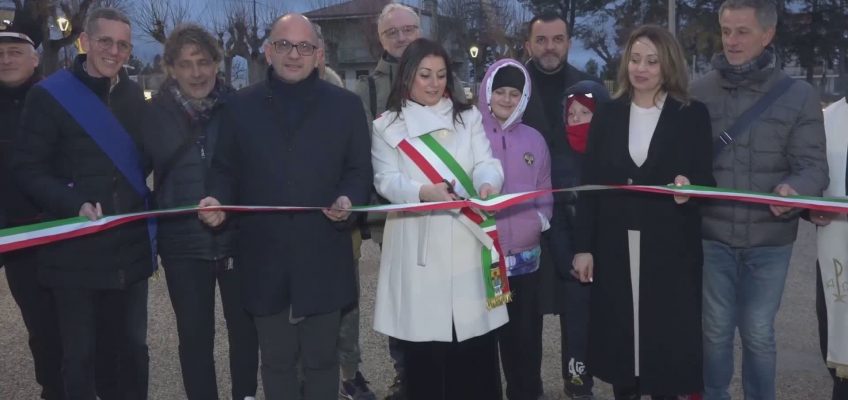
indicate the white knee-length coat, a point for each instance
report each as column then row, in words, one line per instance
column 431, row 276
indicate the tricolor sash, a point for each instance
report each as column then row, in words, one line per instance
column 438, row 165
column 102, row 126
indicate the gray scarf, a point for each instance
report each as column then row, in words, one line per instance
column 739, row 73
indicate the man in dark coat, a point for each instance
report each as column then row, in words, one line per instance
column 99, row 282
column 299, row 141
column 547, row 43
column 18, row 73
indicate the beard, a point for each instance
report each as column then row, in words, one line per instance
column 550, row 61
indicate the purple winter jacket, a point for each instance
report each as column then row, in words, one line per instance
column 526, row 163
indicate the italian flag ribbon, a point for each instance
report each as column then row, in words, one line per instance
column 52, row 231
column 438, row 165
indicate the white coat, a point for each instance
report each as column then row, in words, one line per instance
column 431, row 276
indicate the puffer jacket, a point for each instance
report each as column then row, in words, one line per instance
column 185, row 181
column 526, row 162
column 15, row 208
column 60, row 167
column 786, row 144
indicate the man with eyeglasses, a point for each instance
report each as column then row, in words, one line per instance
column 294, row 140
column 18, row 73
column 77, row 155
column 548, row 42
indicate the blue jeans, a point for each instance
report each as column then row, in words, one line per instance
column 742, row 287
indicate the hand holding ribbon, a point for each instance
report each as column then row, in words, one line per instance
column 486, row 190
column 339, row 210
column 211, row 218
column 92, row 212
column 442, row 191
column 681, row 180
column 784, row 190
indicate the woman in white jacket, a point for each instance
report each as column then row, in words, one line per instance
column 433, row 294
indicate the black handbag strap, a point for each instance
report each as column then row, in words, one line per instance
column 372, row 96
column 727, row 136
column 168, row 165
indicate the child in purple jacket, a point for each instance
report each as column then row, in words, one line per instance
column 522, row 150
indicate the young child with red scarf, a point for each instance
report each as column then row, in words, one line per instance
column 580, row 102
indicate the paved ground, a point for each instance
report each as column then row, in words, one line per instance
column 801, row 374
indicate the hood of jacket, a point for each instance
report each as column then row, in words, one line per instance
column 484, row 96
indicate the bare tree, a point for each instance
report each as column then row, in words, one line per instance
column 494, row 26
column 156, row 18
column 242, row 32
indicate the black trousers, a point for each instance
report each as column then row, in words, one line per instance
column 313, row 342
column 467, row 370
column 191, row 287
column 39, row 314
column 574, row 336
column 106, row 329
column 520, row 340
column 632, row 392
column 840, row 386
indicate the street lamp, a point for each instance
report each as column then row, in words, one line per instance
column 474, row 51
column 64, row 25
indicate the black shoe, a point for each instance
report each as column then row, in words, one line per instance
column 397, row 390
column 577, row 389
column 357, row 388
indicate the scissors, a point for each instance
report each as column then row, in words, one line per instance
column 452, row 191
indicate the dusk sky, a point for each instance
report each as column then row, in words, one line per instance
column 207, row 10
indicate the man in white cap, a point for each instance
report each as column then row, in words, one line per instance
column 18, row 73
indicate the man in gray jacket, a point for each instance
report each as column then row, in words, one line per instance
column 747, row 247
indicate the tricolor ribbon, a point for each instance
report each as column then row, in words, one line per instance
column 53, row 231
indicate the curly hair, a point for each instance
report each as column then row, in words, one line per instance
column 190, row 34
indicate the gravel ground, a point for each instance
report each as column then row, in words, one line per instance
column 801, row 374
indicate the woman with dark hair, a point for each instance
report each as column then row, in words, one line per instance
column 439, row 291
column 642, row 252
column 185, row 117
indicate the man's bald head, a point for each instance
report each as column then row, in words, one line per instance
column 296, row 19
column 293, row 48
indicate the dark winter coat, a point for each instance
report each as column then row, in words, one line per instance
column 299, row 145
column 15, row 208
column 671, row 254
column 544, row 113
column 181, row 179
column 60, row 167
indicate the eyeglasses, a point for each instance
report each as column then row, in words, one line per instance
column 283, row 46
column 394, row 33
column 106, row 43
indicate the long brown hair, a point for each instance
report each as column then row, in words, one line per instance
column 408, row 66
column 674, row 72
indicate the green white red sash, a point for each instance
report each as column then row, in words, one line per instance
column 438, row 165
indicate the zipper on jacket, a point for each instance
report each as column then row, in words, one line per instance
column 505, row 168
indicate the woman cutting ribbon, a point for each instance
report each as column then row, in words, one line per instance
column 441, row 287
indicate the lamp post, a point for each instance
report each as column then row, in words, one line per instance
column 65, row 27
column 474, row 51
